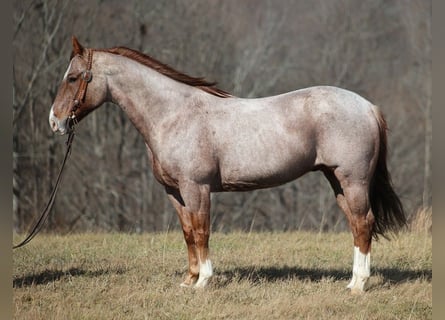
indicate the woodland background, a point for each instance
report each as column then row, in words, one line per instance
column 379, row 49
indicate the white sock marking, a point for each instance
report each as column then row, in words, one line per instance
column 205, row 273
column 361, row 270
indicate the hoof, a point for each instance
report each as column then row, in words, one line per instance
column 186, row 285
column 351, row 283
column 189, row 281
column 357, row 291
column 358, row 284
column 205, row 273
column 202, row 283
column 357, row 287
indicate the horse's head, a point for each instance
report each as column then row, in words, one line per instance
column 82, row 90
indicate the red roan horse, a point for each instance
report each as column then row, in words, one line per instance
column 201, row 139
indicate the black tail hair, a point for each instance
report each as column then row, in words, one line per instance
column 385, row 204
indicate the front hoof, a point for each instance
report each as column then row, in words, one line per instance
column 189, row 281
column 186, row 285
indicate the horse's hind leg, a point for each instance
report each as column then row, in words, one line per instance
column 352, row 198
column 361, row 221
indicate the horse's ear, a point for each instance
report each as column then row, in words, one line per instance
column 77, row 47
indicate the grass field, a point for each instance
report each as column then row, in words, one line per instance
column 297, row 275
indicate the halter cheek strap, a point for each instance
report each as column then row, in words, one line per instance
column 85, row 78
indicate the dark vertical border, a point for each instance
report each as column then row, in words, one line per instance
column 6, row 161
column 438, row 159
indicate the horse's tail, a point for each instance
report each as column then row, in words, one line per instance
column 385, row 204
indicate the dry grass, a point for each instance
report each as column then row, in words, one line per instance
column 258, row 276
column 422, row 221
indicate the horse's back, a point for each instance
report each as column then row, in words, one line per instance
column 269, row 141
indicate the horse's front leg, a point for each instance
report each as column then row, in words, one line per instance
column 187, row 229
column 192, row 203
column 197, row 202
column 201, row 230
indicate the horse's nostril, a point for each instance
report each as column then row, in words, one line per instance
column 53, row 125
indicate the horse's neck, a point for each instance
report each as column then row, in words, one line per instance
column 146, row 96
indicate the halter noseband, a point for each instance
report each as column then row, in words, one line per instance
column 85, row 78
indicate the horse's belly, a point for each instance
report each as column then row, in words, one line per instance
column 270, row 171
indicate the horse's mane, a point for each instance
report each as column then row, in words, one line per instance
column 164, row 69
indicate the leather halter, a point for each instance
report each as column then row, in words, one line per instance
column 85, row 78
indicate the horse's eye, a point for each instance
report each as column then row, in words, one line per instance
column 72, row 79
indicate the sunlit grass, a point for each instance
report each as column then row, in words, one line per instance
column 297, row 275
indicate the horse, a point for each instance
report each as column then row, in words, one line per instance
column 201, row 139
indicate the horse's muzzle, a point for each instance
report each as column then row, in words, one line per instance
column 60, row 126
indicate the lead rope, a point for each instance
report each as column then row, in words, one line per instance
column 44, row 216
column 79, row 98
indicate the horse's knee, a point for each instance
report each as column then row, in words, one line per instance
column 188, row 234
